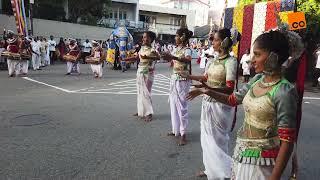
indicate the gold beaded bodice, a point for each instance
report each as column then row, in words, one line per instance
column 217, row 74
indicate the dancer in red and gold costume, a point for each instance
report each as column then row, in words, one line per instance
column 12, row 54
column 96, row 59
column 25, row 53
column 72, row 57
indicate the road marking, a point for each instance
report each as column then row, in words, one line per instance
column 95, row 90
column 130, row 80
column 55, row 87
column 312, row 98
column 126, row 87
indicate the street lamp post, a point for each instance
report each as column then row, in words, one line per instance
column 31, row 15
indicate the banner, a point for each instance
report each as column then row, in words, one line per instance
column 19, row 13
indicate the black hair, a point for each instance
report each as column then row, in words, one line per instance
column 277, row 42
column 274, row 41
column 151, row 35
column 186, row 32
column 225, row 34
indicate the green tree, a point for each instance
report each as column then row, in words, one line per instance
column 88, row 13
column 52, row 10
column 312, row 10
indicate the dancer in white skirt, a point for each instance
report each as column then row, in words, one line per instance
column 145, row 75
column 179, row 86
column 266, row 139
column 217, row 118
column 97, row 52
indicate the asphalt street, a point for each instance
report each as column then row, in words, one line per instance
column 54, row 126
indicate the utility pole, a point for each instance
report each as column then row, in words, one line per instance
column 31, row 15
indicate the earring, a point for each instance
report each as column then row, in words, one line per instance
column 271, row 64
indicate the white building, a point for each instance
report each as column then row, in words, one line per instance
column 200, row 7
column 122, row 10
column 164, row 21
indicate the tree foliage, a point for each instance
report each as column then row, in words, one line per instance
column 88, row 13
column 312, row 10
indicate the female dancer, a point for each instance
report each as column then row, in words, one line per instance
column 216, row 118
column 145, row 75
column 179, row 86
column 265, row 140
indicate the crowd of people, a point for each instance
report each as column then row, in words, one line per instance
column 266, row 138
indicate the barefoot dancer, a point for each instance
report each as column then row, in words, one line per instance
column 179, row 86
column 73, row 50
column 145, row 75
column 97, row 52
column 25, row 52
column 216, row 118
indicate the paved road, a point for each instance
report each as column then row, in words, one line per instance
column 74, row 127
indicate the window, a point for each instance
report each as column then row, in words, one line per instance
column 124, row 15
column 120, row 15
column 171, row 21
column 115, row 15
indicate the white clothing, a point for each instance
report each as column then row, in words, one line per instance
column 245, row 64
column 52, row 45
column 97, row 69
column 179, row 105
column 70, row 65
column 36, row 46
column 13, row 67
column 47, row 57
column 43, row 59
column 87, row 47
column 204, row 59
column 144, row 86
column 24, row 67
column 1, row 58
column 212, row 52
column 318, row 59
column 216, row 122
column 243, row 171
column 35, row 61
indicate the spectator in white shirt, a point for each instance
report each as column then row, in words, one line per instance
column 86, row 50
column 316, row 72
column 43, row 50
column 35, row 46
column 52, row 49
column 245, row 65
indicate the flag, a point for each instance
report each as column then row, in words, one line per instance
column 19, row 12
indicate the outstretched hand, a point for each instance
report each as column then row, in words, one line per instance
column 166, row 56
column 195, row 93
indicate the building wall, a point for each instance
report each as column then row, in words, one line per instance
column 165, row 13
column 59, row 29
column 201, row 9
column 130, row 9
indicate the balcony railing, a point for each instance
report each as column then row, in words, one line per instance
column 140, row 26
